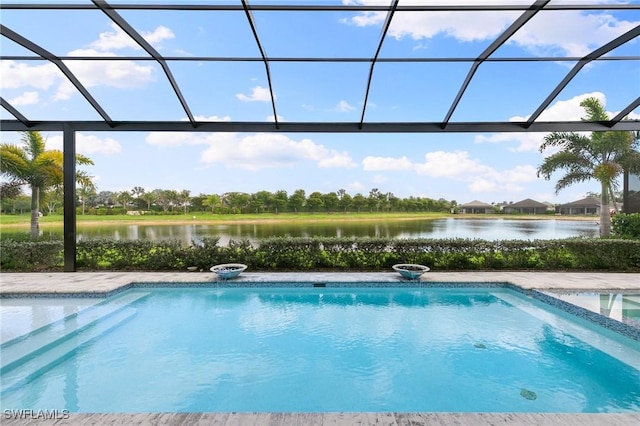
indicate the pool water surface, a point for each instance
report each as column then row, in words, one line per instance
column 333, row 349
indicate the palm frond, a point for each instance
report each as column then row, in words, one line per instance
column 564, row 160
column 33, row 142
column 83, row 160
column 13, row 161
column 572, row 178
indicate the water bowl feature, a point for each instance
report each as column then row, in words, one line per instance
column 411, row 271
column 228, row 271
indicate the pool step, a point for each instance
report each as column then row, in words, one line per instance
column 52, row 355
column 594, row 338
column 16, row 350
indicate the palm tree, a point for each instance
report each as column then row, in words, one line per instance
column 33, row 165
column 214, row 201
column 149, row 198
column 124, row 198
column 184, row 199
column 602, row 156
column 137, row 192
column 84, row 193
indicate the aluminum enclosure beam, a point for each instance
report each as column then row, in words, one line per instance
column 502, row 39
column 45, row 54
column 131, row 32
column 69, row 190
column 318, row 7
column 385, row 29
column 323, row 127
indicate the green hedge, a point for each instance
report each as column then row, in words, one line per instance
column 626, row 225
column 330, row 254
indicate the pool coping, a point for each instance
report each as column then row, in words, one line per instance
column 337, row 419
column 101, row 284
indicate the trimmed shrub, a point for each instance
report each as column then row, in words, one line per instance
column 331, row 254
column 626, row 225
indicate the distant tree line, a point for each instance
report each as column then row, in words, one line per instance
column 168, row 201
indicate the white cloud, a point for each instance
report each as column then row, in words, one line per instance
column 371, row 163
column 455, row 164
column 343, row 106
column 526, row 173
column 210, row 118
column 16, row 75
column 355, row 186
column 573, row 33
column 119, row 74
column 567, row 110
column 27, row 98
column 337, row 159
column 169, row 139
column 458, row 166
column 267, row 150
column 118, row 39
column 254, row 152
column 175, row 139
column 88, row 144
column 271, row 118
column 258, row 94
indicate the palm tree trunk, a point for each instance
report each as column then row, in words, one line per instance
column 605, row 215
column 35, row 212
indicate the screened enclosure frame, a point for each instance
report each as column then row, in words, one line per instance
column 113, row 10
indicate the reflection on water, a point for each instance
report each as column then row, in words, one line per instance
column 485, row 229
column 623, row 307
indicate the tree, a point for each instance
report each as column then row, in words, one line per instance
column 374, row 199
column 10, row 190
column 601, row 156
column 32, row 164
column 213, row 201
column 297, row 200
column 53, row 198
column 330, row 201
column 236, row 201
column 280, row 200
column 105, row 198
column 149, row 198
column 124, row 198
column 85, row 193
column 315, row 201
column 137, row 192
column 184, row 199
column 359, row 201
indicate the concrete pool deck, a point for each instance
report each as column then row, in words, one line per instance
column 105, row 282
column 102, row 283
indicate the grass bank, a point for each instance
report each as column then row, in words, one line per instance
column 23, row 220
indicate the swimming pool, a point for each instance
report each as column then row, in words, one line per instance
column 315, row 349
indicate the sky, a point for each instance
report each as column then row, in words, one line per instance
column 490, row 167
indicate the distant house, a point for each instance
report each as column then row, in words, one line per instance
column 586, row 206
column 527, row 206
column 475, row 207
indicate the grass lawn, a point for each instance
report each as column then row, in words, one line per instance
column 19, row 221
column 11, row 221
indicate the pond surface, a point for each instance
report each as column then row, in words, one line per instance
column 485, row 229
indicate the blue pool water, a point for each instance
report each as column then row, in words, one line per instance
column 315, row 350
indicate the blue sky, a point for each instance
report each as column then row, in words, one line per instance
column 461, row 167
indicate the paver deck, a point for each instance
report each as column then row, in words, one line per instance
column 102, row 283
column 105, row 282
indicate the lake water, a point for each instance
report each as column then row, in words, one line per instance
column 486, row 229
